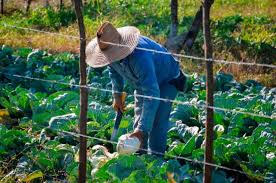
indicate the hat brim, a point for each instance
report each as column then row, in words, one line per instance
column 95, row 57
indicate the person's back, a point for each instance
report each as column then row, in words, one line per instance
column 152, row 74
column 143, row 60
column 166, row 67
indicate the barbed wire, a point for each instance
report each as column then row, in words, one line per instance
column 150, row 97
column 157, row 153
column 194, row 57
column 41, row 31
column 150, row 50
column 144, row 96
column 63, row 132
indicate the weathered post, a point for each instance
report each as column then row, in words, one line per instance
column 207, row 178
column 83, row 94
column 2, row 7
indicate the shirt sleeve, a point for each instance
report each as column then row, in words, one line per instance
column 145, row 71
column 116, row 80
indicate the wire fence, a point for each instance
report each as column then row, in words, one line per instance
column 240, row 111
column 148, row 97
column 63, row 132
column 145, row 96
column 150, row 50
column 157, row 153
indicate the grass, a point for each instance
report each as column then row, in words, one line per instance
column 251, row 40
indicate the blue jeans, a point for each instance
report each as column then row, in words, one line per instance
column 156, row 139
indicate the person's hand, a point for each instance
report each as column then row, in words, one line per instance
column 138, row 134
column 119, row 101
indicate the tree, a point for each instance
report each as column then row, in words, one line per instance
column 185, row 40
column 2, row 7
column 60, row 4
column 28, row 5
column 47, row 4
column 174, row 18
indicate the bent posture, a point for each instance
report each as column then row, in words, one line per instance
column 151, row 74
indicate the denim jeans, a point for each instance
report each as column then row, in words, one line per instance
column 156, row 139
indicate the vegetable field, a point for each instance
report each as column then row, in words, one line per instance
column 34, row 114
column 40, row 94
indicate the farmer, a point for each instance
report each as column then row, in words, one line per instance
column 151, row 74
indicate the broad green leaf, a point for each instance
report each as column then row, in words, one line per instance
column 189, row 146
column 124, row 124
column 32, row 176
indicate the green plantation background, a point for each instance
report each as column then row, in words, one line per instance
column 242, row 30
column 33, row 113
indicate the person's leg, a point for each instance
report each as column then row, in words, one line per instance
column 158, row 135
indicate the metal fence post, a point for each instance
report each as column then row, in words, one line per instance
column 207, row 178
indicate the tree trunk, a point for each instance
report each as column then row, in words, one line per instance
column 28, row 5
column 47, row 4
column 174, row 18
column 60, row 4
column 193, row 31
column 83, row 94
column 186, row 39
column 84, row 2
column 2, row 7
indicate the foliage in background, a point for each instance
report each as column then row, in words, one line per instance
column 241, row 30
column 32, row 113
column 43, row 110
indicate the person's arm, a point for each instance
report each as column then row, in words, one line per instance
column 116, row 80
column 117, row 89
column 145, row 71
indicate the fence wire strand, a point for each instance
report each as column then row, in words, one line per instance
column 148, row 97
column 114, row 142
column 149, row 50
column 157, row 153
column 144, row 96
column 194, row 57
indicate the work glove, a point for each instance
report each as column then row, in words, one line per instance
column 119, row 101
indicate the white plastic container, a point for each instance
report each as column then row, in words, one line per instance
column 128, row 145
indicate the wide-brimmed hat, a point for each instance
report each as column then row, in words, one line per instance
column 111, row 44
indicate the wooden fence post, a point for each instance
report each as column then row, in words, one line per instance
column 207, row 178
column 83, row 94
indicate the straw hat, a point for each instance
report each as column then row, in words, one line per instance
column 99, row 53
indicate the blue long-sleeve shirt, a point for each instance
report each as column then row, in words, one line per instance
column 145, row 71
